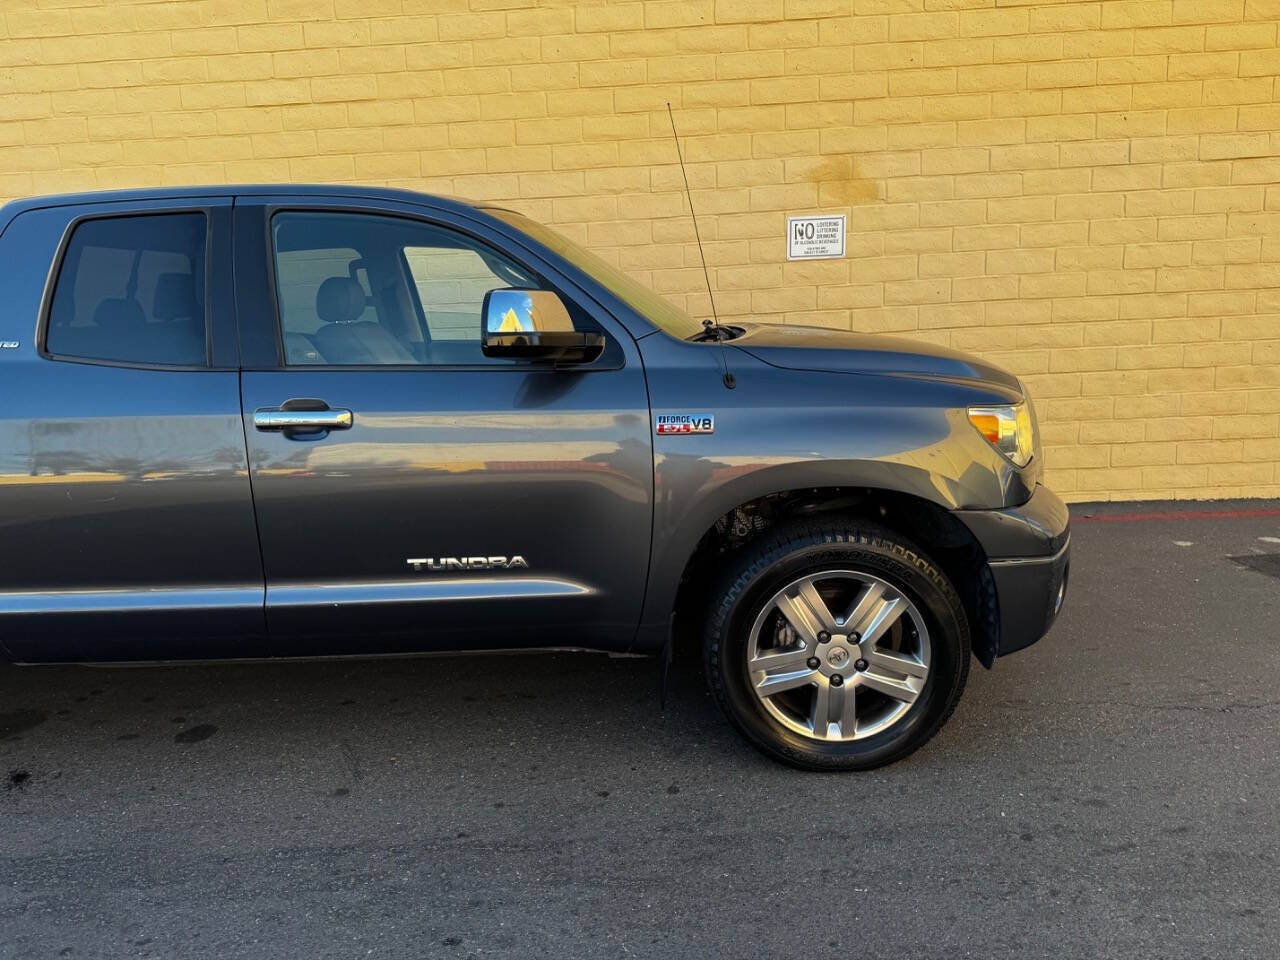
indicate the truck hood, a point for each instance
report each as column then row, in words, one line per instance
column 840, row 351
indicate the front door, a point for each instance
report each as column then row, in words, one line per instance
column 412, row 493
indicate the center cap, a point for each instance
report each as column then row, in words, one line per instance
column 838, row 657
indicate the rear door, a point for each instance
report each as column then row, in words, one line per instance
column 439, row 499
column 125, row 506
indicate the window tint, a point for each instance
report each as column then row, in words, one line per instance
column 359, row 289
column 132, row 289
column 451, row 285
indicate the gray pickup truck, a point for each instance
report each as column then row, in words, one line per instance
column 276, row 421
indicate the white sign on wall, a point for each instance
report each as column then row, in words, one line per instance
column 815, row 238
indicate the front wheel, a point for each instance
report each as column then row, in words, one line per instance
column 836, row 645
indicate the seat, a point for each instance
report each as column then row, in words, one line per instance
column 118, row 332
column 344, row 338
column 119, row 315
column 179, row 335
column 300, row 349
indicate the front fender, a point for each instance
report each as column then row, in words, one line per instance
column 784, row 430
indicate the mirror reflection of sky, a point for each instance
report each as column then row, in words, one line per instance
column 510, row 311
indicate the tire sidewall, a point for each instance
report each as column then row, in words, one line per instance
column 769, row 572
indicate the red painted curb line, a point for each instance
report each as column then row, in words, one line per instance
column 1176, row 515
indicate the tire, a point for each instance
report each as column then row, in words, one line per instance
column 839, row 559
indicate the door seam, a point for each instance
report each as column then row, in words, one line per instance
column 244, row 431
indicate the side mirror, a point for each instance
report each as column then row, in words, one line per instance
column 534, row 325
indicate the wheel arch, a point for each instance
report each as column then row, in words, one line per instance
column 929, row 525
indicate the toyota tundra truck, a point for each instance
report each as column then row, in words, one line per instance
column 281, row 421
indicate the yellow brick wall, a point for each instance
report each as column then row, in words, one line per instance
column 1084, row 191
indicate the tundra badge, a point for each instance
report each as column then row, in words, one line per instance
column 439, row 564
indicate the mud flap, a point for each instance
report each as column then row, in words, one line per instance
column 664, row 662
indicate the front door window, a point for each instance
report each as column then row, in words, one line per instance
column 364, row 289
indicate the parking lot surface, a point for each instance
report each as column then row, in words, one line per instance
column 1113, row 791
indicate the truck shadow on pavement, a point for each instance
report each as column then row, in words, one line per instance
column 557, row 711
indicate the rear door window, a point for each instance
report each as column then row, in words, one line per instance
column 132, row 290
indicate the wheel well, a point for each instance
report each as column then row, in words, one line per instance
column 937, row 531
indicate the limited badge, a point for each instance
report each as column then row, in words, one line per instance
column 665, row 423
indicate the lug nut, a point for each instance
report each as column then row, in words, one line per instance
column 813, row 663
column 836, row 680
column 860, row 665
column 854, row 637
column 823, row 636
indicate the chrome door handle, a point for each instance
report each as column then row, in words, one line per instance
column 302, row 419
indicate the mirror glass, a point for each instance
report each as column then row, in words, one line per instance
column 526, row 311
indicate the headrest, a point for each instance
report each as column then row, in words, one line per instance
column 118, row 314
column 175, row 297
column 340, row 300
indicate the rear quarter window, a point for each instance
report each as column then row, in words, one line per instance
column 132, row 290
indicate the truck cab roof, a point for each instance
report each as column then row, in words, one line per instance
column 354, row 192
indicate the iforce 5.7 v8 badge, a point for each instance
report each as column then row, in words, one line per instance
column 665, row 423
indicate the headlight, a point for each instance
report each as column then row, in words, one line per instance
column 1009, row 428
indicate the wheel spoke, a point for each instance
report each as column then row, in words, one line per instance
column 883, row 615
column 890, row 662
column 789, row 658
column 820, row 712
column 773, row 683
column 807, row 612
column 848, row 696
column 905, row 690
column 826, row 619
column 867, row 603
column 834, row 711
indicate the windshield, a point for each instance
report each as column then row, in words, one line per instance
column 630, row 291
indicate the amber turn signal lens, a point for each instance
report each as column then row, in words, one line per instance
column 988, row 425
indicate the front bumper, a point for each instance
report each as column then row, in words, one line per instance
column 1029, row 554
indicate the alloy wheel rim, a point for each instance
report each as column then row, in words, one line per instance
column 838, row 656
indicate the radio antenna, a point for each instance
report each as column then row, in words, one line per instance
column 712, row 326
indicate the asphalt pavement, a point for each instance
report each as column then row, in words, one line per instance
column 1113, row 791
